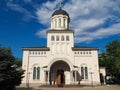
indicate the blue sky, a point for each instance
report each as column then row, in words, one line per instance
column 23, row 23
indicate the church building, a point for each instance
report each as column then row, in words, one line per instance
column 60, row 62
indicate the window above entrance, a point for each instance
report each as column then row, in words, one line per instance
column 60, row 38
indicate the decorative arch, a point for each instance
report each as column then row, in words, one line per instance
column 60, row 59
column 83, row 64
column 36, row 64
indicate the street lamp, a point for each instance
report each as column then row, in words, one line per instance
column 91, row 78
column 28, row 79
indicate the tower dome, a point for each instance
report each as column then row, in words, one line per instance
column 60, row 11
column 60, row 20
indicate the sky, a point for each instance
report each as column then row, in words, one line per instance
column 23, row 23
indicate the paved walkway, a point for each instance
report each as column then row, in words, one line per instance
column 110, row 87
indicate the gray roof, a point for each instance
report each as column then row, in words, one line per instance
column 61, row 12
column 43, row 48
column 78, row 48
column 60, row 31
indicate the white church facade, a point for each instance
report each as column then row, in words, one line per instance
column 60, row 62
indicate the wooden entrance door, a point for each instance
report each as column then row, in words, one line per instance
column 60, row 77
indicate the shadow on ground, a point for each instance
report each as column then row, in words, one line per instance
column 23, row 88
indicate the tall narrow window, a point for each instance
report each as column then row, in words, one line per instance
column 59, row 22
column 38, row 72
column 55, row 23
column 57, row 38
column 62, row 38
column 64, row 23
column 52, row 38
column 84, row 72
column 67, row 38
column 34, row 73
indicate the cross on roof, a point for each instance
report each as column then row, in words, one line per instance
column 60, row 3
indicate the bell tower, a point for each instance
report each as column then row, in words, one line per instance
column 60, row 38
column 60, row 20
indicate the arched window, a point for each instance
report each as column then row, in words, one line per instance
column 36, row 73
column 59, row 22
column 84, row 72
column 55, row 23
column 52, row 38
column 62, row 38
column 67, row 38
column 64, row 23
column 57, row 38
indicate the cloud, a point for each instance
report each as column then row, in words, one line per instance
column 45, row 11
column 91, row 19
column 99, row 34
column 18, row 8
column 42, row 33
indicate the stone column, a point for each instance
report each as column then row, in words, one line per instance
column 75, row 77
column 48, row 76
column 71, row 77
column 45, row 77
column 104, row 79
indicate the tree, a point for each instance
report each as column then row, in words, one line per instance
column 10, row 76
column 18, row 62
column 111, row 59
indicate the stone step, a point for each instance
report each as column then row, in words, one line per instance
column 52, row 86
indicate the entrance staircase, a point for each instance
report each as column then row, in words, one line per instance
column 62, row 86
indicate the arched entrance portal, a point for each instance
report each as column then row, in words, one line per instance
column 59, row 73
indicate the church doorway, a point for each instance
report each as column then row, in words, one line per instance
column 60, row 78
column 59, row 73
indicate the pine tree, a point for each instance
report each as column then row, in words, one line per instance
column 10, row 76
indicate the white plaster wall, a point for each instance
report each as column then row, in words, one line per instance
column 49, row 42
column 67, row 77
column 60, row 49
column 92, row 63
column 25, row 65
column 90, row 60
column 29, row 61
column 41, row 61
column 103, row 71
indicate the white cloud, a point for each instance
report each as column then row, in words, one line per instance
column 18, row 8
column 86, row 15
column 99, row 34
column 41, row 33
column 45, row 11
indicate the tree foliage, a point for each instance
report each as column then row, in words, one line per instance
column 111, row 59
column 10, row 76
column 18, row 62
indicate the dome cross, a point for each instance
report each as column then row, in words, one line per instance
column 60, row 3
